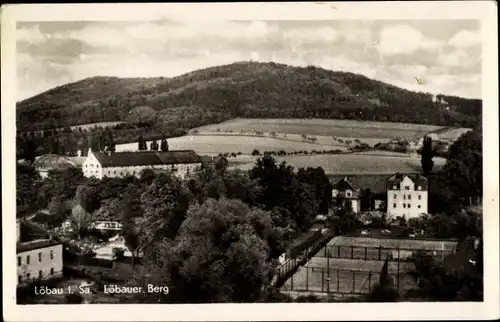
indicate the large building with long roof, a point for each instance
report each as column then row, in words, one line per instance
column 121, row 164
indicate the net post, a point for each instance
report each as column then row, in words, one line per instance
column 366, row 250
column 369, row 281
column 399, row 258
column 352, row 252
column 322, row 279
column 380, row 253
column 338, row 281
column 307, row 278
column 353, row 281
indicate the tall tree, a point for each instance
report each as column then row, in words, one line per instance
column 142, row 144
column 427, row 155
column 164, row 145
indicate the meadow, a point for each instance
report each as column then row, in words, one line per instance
column 322, row 127
column 376, row 162
column 345, row 164
column 215, row 144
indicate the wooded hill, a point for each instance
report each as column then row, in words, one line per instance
column 243, row 89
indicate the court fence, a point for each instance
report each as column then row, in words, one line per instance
column 378, row 253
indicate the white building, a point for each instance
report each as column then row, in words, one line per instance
column 407, row 195
column 40, row 259
column 121, row 164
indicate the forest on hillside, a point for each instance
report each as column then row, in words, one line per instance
column 157, row 107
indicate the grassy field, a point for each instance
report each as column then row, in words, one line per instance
column 214, row 144
column 338, row 128
column 346, row 164
column 375, row 162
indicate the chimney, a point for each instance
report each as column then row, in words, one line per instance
column 79, row 153
column 90, row 152
column 345, row 178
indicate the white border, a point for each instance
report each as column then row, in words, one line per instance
column 483, row 10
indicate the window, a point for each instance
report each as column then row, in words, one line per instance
column 28, row 276
column 28, row 259
column 394, row 187
column 419, row 197
column 51, row 254
column 40, row 274
column 418, row 206
column 419, row 188
column 404, row 205
column 19, row 279
column 39, row 257
column 409, row 205
column 52, row 271
column 19, row 260
column 409, row 197
column 393, row 205
column 395, row 196
column 114, row 172
column 407, row 187
column 404, row 197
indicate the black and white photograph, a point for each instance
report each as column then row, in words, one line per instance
column 240, row 154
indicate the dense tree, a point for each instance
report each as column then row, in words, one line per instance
column 463, row 170
column 164, row 145
column 427, row 155
column 142, row 144
column 165, row 203
column 59, row 210
column 28, row 182
column 88, row 198
column 220, row 255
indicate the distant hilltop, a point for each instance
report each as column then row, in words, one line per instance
column 243, row 89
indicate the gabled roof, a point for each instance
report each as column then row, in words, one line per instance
column 417, row 179
column 344, row 184
column 144, row 158
column 53, row 161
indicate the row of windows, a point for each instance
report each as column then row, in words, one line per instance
column 394, row 187
column 28, row 276
column 408, row 197
column 40, row 256
column 405, row 206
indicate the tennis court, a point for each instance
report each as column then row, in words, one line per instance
column 409, row 244
column 346, row 276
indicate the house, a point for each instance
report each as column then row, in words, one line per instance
column 48, row 162
column 219, row 162
column 346, row 193
column 39, row 259
column 121, row 164
column 407, row 195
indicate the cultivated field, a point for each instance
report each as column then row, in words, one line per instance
column 345, row 164
column 338, row 128
column 214, row 144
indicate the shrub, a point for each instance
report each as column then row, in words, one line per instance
column 255, row 152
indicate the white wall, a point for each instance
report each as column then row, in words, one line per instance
column 408, row 203
column 91, row 167
column 35, row 265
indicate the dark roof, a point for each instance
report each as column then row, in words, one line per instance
column 126, row 159
column 345, row 183
column 36, row 244
column 376, row 183
column 417, row 179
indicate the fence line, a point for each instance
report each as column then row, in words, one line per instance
column 376, row 253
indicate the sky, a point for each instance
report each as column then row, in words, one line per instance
column 435, row 56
